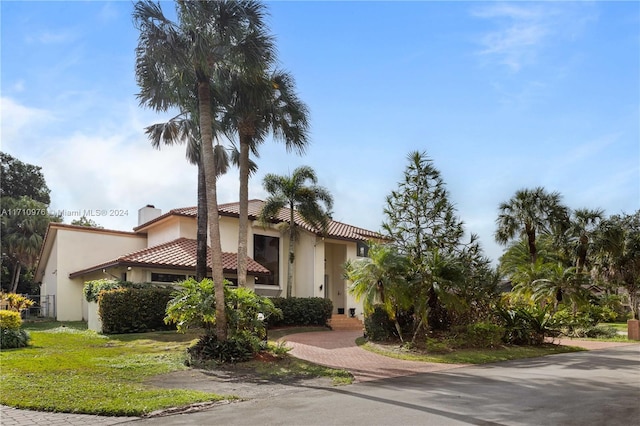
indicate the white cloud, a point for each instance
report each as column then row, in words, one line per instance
column 522, row 31
column 16, row 119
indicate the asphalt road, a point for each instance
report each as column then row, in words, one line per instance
column 583, row 388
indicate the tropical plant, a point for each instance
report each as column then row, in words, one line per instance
column 529, row 213
column 299, row 193
column 178, row 65
column 617, row 255
column 15, row 302
column 23, row 229
column 379, row 281
column 11, row 336
column 193, row 306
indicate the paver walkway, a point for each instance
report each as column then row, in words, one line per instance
column 337, row 349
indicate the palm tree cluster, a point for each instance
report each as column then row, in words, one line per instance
column 215, row 66
column 555, row 254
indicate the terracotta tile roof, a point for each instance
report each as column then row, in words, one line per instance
column 337, row 229
column 176, row 254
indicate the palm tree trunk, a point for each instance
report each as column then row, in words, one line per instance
column 16, row 277
column 292, row 241
column 531, row 237
column 243, row 212
column 204, row 104
column 201, row 257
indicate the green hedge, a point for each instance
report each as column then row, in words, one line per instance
column 302, row 311
column 134, row 310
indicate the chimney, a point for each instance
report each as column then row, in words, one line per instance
column 147, row 213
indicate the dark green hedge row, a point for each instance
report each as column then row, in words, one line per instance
column 302, row 311
column 134, row 310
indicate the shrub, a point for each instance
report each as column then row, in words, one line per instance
column 15, row 302
column 128, row 310
column 378, row 326
column 235, row 349
column 93, row 288
column 302, row 311
column 483, row 335
column 12, row 338
column 10, row 320
column 525, row 325
column 10, row 334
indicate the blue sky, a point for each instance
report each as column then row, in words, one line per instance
column 501, row 95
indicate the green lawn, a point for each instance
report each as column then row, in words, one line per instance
column 620, row 326
column 69, row 369
column 467, row 356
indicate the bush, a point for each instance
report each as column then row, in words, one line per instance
column 236, row 349
column 130, row 310
column 379, row 327
column 482, row 335
column 10, row 320
column 12, row 338
column 525, row 325
column 15, row 302
column 302, row 311
column 93, row 288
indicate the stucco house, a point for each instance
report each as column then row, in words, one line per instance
column 162, row 249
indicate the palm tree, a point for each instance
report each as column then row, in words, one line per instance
column 528, row 213
column 583, row 223
column 380, row 279
column 617, row 252
column 303, row 200
column 22, row 234
column 559, row 285
column 256, row 105
column 178, row 64
column 184, row 129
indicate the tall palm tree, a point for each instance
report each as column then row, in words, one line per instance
column 528, row 213
column 583, row 223
column 184, row 129
column 256, row 105
column 179, row 62
column 302, row 199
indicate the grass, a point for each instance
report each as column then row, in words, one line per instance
column 466, row 356
column 69, row 369
column 619, row 326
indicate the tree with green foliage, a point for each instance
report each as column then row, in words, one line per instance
column 300, row 193
column 24, row 219
column 178, row 65
column 85, row 221
column 528, row 213
column 617, row 254
column 19, row 179
column 423, row 225
column 23, row 229
column 381, row 280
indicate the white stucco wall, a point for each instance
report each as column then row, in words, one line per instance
column 172, row 228
column 50, row 280
column 83, row 249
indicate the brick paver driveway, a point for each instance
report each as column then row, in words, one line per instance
column 338, row 349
